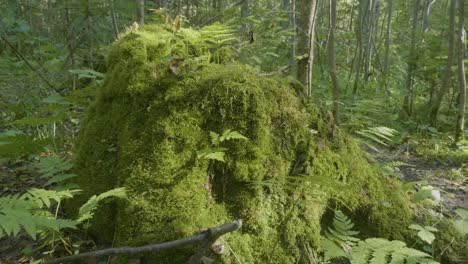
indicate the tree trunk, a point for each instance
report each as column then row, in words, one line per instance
column 140, row 11
column 446, row 81
column 459, row 130
column 336, row 93
column 305, row 42
column 408, row 100
column 427, row 9
column 245, row 8
column 370, row 31
column 387, row 41
column 115, row 27
column 359, row 46
column 293, row 37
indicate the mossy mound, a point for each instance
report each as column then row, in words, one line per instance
column 162, row 96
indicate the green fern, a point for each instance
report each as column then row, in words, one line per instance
column 339, row 238
column 55, row 168
column 31, row 211
column 339, row 242
column 27, row 212
column 382, row 135
column 382, row 251
column 217, row 34
column 216, row 152
column 87, row 210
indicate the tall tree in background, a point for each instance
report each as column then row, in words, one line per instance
column 336, row 93
column 245, row 9
column 412, row 60
column 140, row 11
column 459, row 129
column 446, row 81
column 305, row 41
column 387, row 42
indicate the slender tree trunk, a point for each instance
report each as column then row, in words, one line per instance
column 245, row 8
column 158, row 4
column 359, row 46
column 140, row 11
column 408, row 100
column 336, row 93
column 71, row 49
column 310, row 57
column 427, row 9
column 370, row 31
column 113, row 18
column 459, row 130
column 187, row 9
column 387, row 41
column 305, row 41
column 446, row 81
column 293, row 37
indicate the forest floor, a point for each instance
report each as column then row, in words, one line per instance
column 449, row 178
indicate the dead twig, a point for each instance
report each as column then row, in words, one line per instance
column 209, row 235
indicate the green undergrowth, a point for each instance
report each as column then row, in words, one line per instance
column 164, row 92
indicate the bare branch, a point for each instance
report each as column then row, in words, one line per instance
column 210, row 235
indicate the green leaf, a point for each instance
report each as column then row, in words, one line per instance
column 463, row 213
column 461, row 226
column 56, row 99
column 416, row 227
column 219, row 156
column 422, row 195
column 426, row 236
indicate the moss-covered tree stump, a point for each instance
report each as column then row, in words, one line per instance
column 162, row 96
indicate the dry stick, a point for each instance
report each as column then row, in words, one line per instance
column 21, row 57
column 211, row 235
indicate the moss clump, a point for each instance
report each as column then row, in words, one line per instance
column 161, row 98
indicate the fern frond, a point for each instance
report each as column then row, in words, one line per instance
column 229, row 134
column 87, row 210
column 339, row 235
column 382, row 251
column 19, row 212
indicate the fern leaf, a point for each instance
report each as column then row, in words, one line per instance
column 214, row 138
column 87, row 210
column 229, row 134
column 382, row 251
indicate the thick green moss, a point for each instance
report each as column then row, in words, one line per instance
column 161, row 98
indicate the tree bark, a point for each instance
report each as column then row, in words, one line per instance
column 360, row 28
column 408, row 100
column 370, row 32
column 293, row 21
column 459, row 130
column 387, row 41
column 305, row 41
column 427, row 9
column 140, row 11
column 446, row 81
column 115, row 27
column 336, row 93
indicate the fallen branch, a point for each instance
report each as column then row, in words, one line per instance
column 210, row 235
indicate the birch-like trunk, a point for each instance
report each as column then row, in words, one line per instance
column 459, row 130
